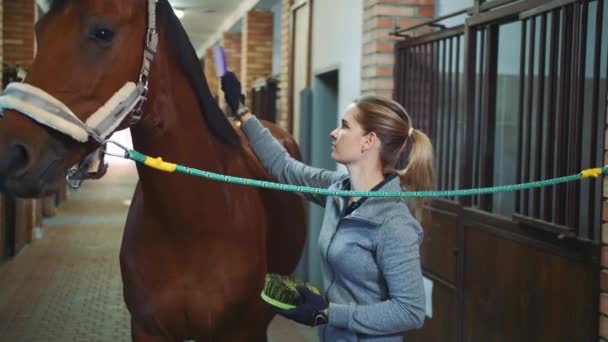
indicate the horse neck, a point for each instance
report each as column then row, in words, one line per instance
column 173, row 128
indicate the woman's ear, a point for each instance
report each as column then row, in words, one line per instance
column 371, row 139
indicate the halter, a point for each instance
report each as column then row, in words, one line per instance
column 42, row 107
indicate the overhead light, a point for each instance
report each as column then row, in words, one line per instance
column 178, row 13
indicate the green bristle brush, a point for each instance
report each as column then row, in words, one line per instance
column 280, row 291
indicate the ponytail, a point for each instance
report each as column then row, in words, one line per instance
column 419, row 175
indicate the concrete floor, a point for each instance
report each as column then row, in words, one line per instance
column 66, row 286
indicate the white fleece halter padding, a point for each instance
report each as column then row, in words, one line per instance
column 97, row 119
column 47, row 110
column 40, row 114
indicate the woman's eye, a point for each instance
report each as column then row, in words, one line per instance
column 103, row 35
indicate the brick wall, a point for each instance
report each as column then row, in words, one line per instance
column 603, row 300
column 379, row 19
column 284, row 84
column 233, row 44
column 18, row 32
column 256, row 56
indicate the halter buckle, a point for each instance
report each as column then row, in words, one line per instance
column 78, row 174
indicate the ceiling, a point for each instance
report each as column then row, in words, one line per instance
column 205, row 20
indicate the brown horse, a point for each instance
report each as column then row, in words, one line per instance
column 194, row 252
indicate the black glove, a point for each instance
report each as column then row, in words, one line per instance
column 310, row 312
column 232, row 92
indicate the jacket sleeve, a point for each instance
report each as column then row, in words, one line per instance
column 399, row 260
column 278, row 163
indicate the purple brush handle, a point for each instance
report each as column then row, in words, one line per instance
column 219, row 58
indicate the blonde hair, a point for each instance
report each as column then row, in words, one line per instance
column 392, row 124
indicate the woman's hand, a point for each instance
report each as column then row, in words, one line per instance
column 312, row 311
column 233, row 94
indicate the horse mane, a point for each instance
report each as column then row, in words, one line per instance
column 180, row 44
column 57, row 5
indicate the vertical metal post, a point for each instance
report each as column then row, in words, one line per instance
column 457, row 112
column 434, row 90
column 470, row 61
column 597, row 120
column 561, row 127
column 449, row 113
column 547, row 213
column 488, row 115
column 539, row 118
column 572, row 195
column 520, row 116
column 442, row 167
column 579, row 113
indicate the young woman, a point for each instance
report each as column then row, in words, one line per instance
column 373, row 289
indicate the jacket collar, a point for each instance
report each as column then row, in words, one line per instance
column 370, row 211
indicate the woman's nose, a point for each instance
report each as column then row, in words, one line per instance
column 333, row 134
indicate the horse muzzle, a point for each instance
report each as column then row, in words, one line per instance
column 31, row 161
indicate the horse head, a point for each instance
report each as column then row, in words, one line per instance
column 89, row 78
column 87, row 51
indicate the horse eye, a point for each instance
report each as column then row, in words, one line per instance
column 103, row 35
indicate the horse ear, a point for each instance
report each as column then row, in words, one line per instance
column 180, row 44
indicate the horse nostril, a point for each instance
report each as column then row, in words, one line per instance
column 19, row 161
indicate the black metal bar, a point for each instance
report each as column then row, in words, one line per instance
column 457, row 113
column 442, row 101
column 466, row 180
column 488, row 116
column 409, row 92
column 579, row 113
column 428, row 22
column 540, row 103
column 413, row 82
column 417, row 83
column 397, row 81
column 550, row 118
column 561, row 128
column 528, row 118
column 520, row 115
column 427, row 88
column 403, row 76
column 449, row 114
column 434, row 91
column 597, row 120
column 572, row 196
column 420, row 78
column 478, row 114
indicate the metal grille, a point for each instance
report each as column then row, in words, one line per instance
column 544, row 119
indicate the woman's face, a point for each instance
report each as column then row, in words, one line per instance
column 348, row 138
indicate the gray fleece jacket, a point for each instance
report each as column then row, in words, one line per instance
column 370, row 257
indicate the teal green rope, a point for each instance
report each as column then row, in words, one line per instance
column 141, row 158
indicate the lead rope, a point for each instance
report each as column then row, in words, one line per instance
column 159, row 164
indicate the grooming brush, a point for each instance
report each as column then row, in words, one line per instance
column 281, row 291
column 219, row 60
